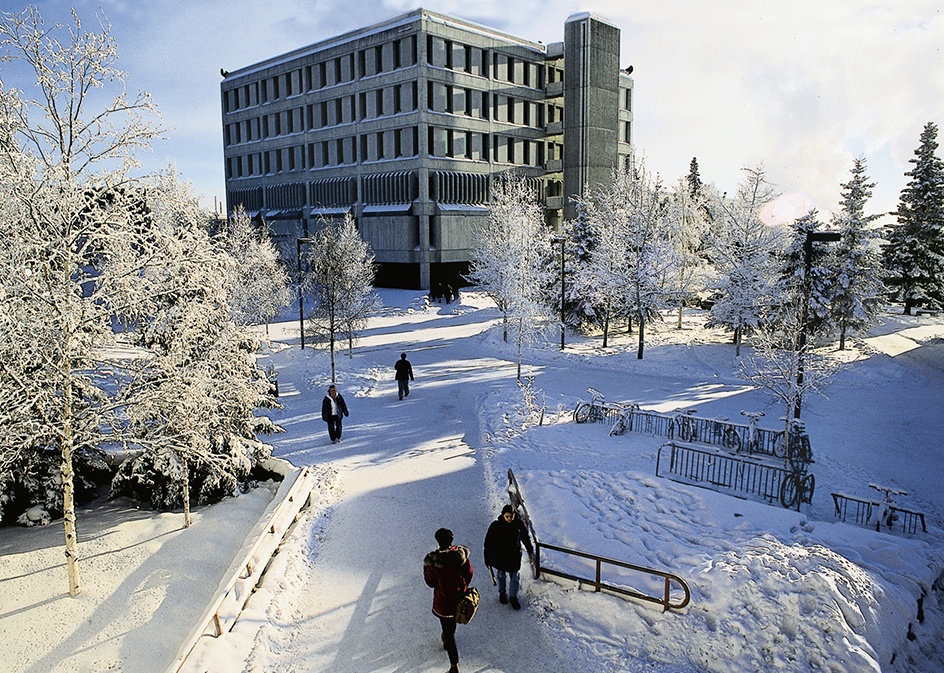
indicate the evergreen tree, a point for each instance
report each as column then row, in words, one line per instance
column 794, row 286
column 856, row 285
column 913, row 257
column 693, row 180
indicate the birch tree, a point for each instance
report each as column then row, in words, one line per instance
column 632, row 258
column 259, row 284
column 743, row 249
column 511, row 259
column 69, row 225
column 191, row 404
column 339, row 274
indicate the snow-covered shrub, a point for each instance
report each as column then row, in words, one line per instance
column 156, row 477
column 35, row 481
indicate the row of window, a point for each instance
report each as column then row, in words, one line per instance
column 388, row 57
column 390, row 101
column 364, row 63
column 394, row 144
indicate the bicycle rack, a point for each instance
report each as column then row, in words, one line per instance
column 862, row 509
column 705, row 467
column 514, row 494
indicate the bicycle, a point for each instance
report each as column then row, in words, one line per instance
column 596, row 410
column 797, row 448
column 797, row 487
column 625, row 421
column 885, row 513
column 687, row 429
column 752, row 439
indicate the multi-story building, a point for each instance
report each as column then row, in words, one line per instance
column 404, row 123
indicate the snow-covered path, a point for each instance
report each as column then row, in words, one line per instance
column 406, row 469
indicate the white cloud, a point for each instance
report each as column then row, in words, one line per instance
column 804, row 86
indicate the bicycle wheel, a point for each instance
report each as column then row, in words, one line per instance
column 732, row 439
column 582, row 413
column 780, row 447
column 806, row 489
column 789, row 490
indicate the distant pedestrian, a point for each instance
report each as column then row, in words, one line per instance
column 404, row 375
column 503, row 553
column 448, row 571
column 332, row 409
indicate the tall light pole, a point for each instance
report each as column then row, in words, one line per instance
column 555, row 241
column 301, row 310
column 811, row 236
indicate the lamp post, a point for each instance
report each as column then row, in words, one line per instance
column 811, row 236
column 301, row 311
column 555, row 241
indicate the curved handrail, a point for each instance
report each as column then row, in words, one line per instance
column 514, row 493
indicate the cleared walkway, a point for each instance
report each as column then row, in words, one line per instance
column 407, row 468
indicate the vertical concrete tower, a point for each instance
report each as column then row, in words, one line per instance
column 591, row 104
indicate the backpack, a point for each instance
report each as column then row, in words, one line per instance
column 467, row 606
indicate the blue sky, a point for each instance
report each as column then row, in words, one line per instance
column 804, row 86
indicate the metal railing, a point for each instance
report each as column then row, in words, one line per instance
column 517, row 501
column 737, row 473
column 863, row 510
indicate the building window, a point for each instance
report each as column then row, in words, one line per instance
column 380, row 145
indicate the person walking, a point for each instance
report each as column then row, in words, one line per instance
column 503, row 553
column 332, row 409
column 448, row 571
column 404, row 375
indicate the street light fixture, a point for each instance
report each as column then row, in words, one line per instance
column 560, row 240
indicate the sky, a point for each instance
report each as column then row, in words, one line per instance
column 802, row 86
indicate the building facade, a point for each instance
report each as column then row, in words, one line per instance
column 404, row 123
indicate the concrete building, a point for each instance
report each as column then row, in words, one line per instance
column 403, row 123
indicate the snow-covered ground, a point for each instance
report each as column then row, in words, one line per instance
column 771, row 588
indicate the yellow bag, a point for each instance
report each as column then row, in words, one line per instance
column 467, row 606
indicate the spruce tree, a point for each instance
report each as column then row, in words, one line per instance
column 856, row 285
column 914, row 255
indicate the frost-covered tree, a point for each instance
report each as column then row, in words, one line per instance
column 191, row 404
column 744, row 254
column 856, row 283
column 628, row 267
column 339, row 274
column 914, row 254
column 511, row 258
column 259, row 284
column 795, row 286
column 688, row 226
column 778, row 358
column 70, row 236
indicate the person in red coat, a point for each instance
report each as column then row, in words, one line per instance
column 448, row 571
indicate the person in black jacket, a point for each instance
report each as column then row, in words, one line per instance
column 404, row 375
column 332, row 409
column 448, row 571
column 503, row 552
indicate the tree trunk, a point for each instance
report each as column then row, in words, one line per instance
column 737, row 339
column 642, row 333
column 606, row 327
column 679, row 326
column 520, row 337
column 68, row 488
column 842, row 335
column 186, row 492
